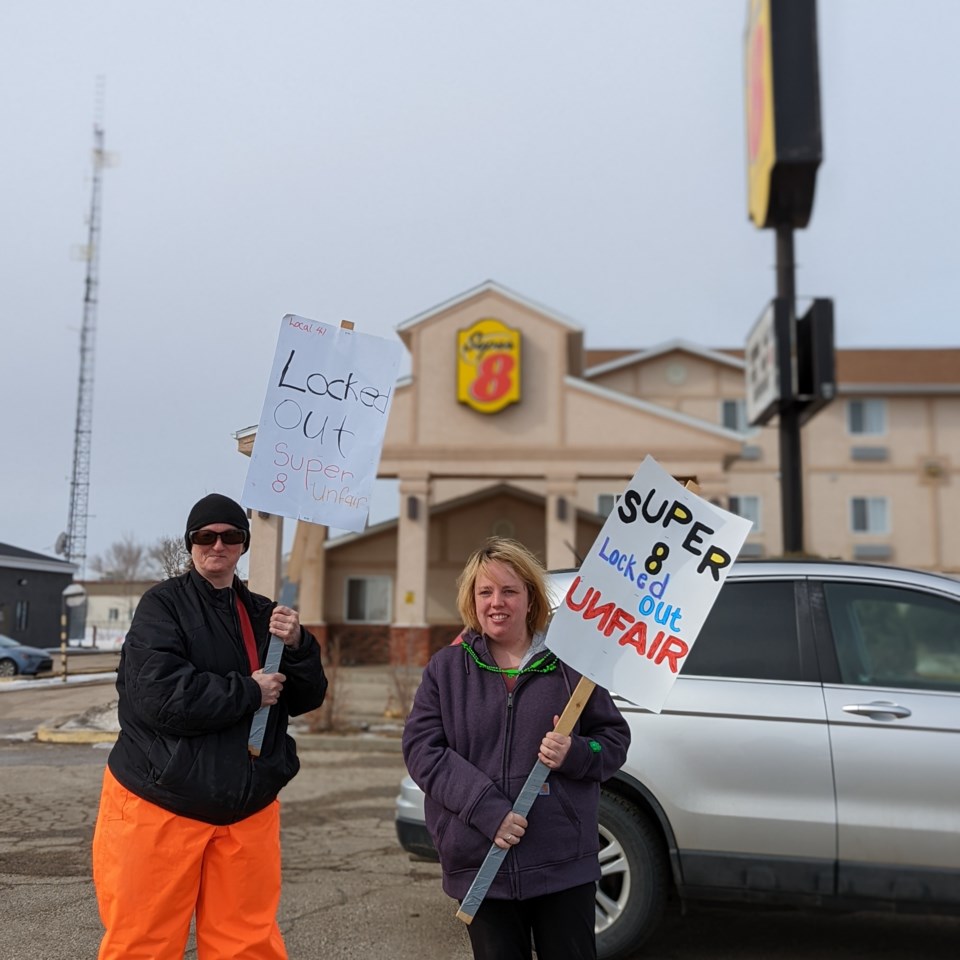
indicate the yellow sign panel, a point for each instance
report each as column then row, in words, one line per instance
column 488, row 366
column 761, row 141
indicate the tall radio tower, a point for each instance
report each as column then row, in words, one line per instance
column 73, row 542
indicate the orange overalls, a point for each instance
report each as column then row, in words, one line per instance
column 154, row 869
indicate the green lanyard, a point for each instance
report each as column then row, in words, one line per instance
column 536, row 667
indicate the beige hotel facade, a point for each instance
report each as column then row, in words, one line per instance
column 509, row 425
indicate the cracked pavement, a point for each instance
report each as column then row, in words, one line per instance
column 349, row 890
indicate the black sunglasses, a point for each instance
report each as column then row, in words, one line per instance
column 207, row 538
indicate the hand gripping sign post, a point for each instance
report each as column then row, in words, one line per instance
column 633, row 612
column 258, row 726
column 320, row 434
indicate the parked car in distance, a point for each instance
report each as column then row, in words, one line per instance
column 807, row 754
column 15, row 658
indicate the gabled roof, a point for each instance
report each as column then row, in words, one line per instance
column 889, row 369
column 664, row 413
column 628, row 358
column 456, row 503
column 16, row 558
column 488, row 286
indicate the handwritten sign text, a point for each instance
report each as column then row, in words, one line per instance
column 322, row 426
column 632, row 614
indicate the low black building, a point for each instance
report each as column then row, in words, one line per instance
column 31, row 588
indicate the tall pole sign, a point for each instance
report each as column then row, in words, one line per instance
column 784, row 146
column 784, row 150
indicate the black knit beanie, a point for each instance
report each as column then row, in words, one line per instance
column 216, row 508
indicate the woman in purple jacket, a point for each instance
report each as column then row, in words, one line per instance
column 483, row 715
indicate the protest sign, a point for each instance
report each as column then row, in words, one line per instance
column 642, row 594
column 322, row 426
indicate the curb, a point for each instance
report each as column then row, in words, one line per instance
column 55, row 735
column 347, row 742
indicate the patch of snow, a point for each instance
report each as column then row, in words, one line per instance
column 96, row 718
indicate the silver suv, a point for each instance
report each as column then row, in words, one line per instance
column 807, row 754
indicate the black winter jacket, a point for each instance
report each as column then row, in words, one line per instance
column 187, row 700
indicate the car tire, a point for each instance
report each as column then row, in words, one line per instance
column 8, row 668
column 635, row 879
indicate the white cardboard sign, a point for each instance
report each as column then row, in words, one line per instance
column 632, row 614
column 322, row 426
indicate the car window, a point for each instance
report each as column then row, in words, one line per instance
column 750, row 632
column 894, row 637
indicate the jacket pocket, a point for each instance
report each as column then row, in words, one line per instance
column 555, row 832
column 272, row 771
column 171, row 761
column 459, row 846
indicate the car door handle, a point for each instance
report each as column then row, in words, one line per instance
column 878, row 708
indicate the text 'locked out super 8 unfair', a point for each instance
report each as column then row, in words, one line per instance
column 663, row 645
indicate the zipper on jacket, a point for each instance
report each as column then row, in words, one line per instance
column 510, row 865
column 507, row 738
column 508, row 732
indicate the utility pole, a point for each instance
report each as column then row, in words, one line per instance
column 790, row 371
column 73, row 542
column 791, row 455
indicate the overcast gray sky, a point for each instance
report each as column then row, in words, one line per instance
column 368, row 159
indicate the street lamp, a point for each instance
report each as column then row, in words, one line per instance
column 73, row 598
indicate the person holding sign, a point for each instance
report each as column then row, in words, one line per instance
column 483, row 715
column 189, row 821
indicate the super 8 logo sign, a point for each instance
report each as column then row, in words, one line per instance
column 488, row 366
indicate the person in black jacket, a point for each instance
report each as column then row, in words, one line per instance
column 189, row 821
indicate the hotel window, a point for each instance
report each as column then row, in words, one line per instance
column 22, row 615
column 606, row 502
column 867, row 418
column 734, row 415
column 869, row 515
column 368, row 599
column 747, row 507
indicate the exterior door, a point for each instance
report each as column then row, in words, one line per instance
column 740, row 755
column 895, row 733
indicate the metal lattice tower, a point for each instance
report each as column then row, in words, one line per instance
column 73, row 543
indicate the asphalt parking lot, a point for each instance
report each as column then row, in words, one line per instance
column 349, row 891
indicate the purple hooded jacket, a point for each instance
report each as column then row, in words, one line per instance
column 470, row 745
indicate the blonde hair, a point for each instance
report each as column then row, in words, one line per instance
column 523, row 563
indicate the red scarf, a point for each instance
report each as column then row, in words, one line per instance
column 246, row 628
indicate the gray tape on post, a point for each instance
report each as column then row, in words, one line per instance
column 495, row 855
column 258, row 725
